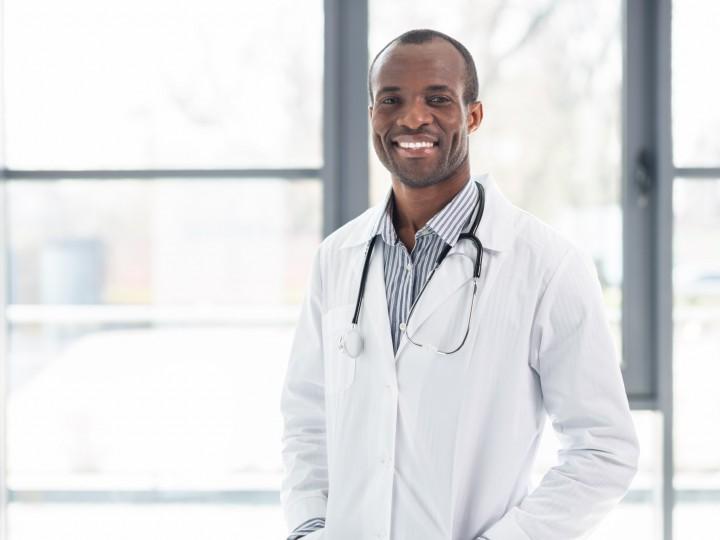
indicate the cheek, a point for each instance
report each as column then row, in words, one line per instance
column 460, row 135
column 379, row 146
column 378, row 129
column 377, row 141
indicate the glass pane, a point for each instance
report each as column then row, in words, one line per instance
column 695, row 83
column 137, row 522
column 550, row 81
column 696, row 365
column 162, row 242
column 638, row 516
column 136, row 84
column 151, row 321
column 152, row 405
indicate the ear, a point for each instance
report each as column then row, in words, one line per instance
column 370, row 110
column 474, row 116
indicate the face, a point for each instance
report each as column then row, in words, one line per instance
column 419, row 120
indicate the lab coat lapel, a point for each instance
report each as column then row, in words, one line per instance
column 376, row 307
column 454, row 273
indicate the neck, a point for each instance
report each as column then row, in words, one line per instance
column 415, row 206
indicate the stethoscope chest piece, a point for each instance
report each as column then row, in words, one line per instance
column 351, row 342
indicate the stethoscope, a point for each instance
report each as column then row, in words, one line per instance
column 352, row 343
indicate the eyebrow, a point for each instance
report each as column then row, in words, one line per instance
column 386, row 89
column 438, row 88
column 431, row 88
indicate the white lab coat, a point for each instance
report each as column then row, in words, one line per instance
column 418, row 446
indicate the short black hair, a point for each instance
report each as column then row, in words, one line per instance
column 423, row 35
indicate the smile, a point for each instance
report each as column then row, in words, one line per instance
column 415, row 144
column 415, row 149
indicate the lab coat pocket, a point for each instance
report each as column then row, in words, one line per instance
column 339, row 367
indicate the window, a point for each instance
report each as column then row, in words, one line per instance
column 696, row 267
column 153, row 153
column 164, row 201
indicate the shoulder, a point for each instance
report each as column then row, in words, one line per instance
column 533, row 246
column 544, row 248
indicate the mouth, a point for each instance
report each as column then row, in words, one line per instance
column 414, row 147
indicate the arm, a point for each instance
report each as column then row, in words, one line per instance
column 585, row 399
column 304, row 488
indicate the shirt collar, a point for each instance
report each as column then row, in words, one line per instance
column 496, row 230
column 448, row 223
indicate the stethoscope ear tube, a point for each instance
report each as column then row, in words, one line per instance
column 363, row 279
column 352, row 341
column 481, row 209
column 479, row 249
column 472, row 236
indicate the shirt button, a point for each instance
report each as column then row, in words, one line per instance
column 408, row 266
column 403, row 326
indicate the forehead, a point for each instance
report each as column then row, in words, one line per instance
column 435, row 62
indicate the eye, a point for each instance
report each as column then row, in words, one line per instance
column 390, row 100
column 439, row 100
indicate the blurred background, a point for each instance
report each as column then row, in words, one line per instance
column 169, row 168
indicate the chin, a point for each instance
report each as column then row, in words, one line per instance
column 419, row 181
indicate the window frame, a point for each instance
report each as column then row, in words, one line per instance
column 648, row 173
column 647, row 223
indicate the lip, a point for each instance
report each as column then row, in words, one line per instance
column 414, row 138
column 414, row 153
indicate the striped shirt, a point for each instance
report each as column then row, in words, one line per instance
column 406, row 272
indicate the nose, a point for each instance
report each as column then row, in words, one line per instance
column 415, row 114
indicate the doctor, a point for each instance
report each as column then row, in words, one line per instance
column 421, row 422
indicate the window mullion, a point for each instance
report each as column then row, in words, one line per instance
column 345, row 112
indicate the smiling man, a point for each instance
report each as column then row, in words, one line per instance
column 423, row 106
column 440, row 330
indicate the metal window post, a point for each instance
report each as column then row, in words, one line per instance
column 663, row 260
column 639, row 198
column 345, row 112
column 647, row 223
column 3, row 291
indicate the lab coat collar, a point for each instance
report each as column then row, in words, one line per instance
column 495, row 231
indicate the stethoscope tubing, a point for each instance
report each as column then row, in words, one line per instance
column 363, row 279
column 476, row 271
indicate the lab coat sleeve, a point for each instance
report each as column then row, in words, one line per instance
column 584, row 396
column 304, row 489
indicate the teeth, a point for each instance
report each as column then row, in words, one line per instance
column 415, row 145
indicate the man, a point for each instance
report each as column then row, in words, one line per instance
column 391, row 429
